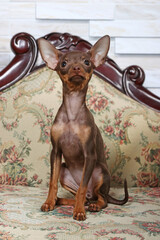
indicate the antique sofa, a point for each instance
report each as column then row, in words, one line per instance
column 128, row 116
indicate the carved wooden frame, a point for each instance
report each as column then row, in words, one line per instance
column 27, row 59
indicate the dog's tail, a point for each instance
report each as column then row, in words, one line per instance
column 119, row 202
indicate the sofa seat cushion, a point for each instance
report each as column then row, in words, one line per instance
column 131, row 131
column 21, row 218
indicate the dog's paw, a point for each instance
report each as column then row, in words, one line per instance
column 48, row 206
column 79, row 215
column 94, row 207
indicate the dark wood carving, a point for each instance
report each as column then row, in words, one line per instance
column 27, row 59
column 133, row 78
column 25, row 49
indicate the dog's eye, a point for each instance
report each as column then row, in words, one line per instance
column 64, row 63
column 86, row 62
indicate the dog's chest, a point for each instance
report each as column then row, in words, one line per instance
column 71, row 138
column 70, row 145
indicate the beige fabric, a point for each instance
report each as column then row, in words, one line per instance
column 131, row 132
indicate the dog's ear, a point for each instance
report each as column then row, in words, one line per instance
column 99, row 50
column 49, row 53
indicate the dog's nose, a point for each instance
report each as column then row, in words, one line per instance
column 76, row 68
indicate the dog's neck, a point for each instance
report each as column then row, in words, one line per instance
column 74, row 102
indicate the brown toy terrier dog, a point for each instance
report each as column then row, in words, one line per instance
column 75, row 134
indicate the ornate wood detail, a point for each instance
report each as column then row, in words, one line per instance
column 27, row 59
column 25, row 49
column 132, row 80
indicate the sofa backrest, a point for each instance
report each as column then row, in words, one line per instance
column 131, row 131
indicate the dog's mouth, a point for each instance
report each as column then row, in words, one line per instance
column 77, row 78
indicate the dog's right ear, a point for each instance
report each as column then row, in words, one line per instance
column 49, row 53
column 99, row 50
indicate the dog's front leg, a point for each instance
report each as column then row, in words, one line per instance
column 53, row 186
column 90, row 160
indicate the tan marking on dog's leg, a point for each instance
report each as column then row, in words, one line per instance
column 53, row 187
column 79, row 210
column 100, row 203
column 65, row 201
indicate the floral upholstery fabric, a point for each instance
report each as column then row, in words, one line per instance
column 131, row 132
column 21, row 218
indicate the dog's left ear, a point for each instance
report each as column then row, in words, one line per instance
column 99, row 50
column 49, row 53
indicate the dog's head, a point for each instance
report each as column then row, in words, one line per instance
column 74, row 68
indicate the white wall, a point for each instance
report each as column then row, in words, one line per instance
column 134, row 27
